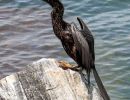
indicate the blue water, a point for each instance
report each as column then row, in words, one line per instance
column 26, row 35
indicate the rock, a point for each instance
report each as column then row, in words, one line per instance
column 45, row 80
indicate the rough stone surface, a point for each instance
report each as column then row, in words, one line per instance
column 44, row 80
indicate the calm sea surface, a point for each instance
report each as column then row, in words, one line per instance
column 26, row 35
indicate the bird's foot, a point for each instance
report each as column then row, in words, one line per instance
column 64, row 65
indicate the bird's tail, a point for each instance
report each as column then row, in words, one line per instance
column 100, row 85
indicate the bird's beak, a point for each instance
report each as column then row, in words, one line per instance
column 82, row 24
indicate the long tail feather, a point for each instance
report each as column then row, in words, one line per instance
column 100, row 85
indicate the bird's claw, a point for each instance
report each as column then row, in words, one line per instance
column 65, row 65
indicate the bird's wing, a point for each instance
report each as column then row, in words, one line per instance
column 81, row 46
column 83, row 26
column 88, row 36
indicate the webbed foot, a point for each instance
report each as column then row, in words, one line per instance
column 65, row 65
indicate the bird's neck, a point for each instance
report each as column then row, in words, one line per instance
column 57, row 18
column 58, row 23
column 57, row 15
column 58, row 9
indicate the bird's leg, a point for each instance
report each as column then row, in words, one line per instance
column 64, row 65
column 89, row 85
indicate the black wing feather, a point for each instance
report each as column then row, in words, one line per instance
column 81, row 46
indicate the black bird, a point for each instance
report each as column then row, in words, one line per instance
column 78, row 44
column 84, row 43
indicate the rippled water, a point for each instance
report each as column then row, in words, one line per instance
column 26, row 35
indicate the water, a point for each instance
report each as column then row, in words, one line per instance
column 26, row 35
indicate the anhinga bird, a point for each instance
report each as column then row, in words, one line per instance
column 78, row 44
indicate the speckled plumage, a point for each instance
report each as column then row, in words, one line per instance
column 62, row 31
column 61, row 28
column 79, row 44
